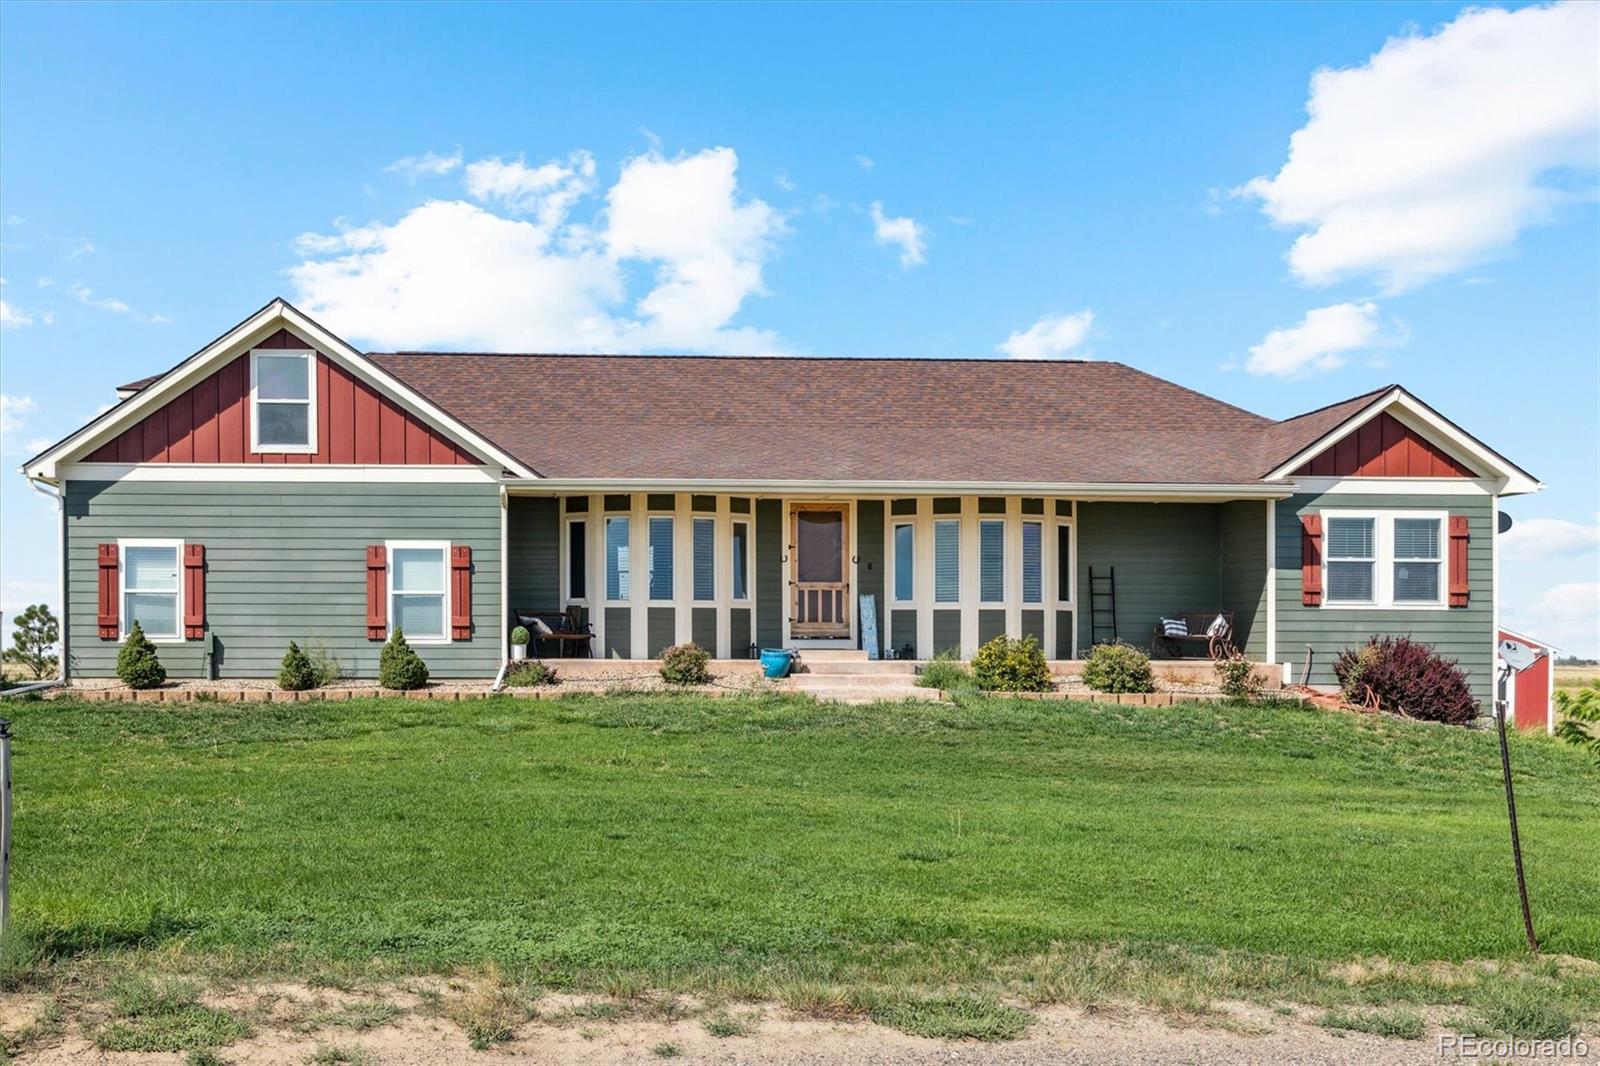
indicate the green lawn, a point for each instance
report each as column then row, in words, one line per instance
column 602, row 841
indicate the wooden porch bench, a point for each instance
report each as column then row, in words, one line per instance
column 565, row 629
column 1217, row 646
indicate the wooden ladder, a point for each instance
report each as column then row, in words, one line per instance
column 1102, row 606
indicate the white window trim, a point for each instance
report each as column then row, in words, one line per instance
column 443, row 548
column 1384, row 560
column 1022, row 561
column 748, row 521
column 895, row 522
column 695, row 519
column 934, row 522
column 310, row 447
column 626, row 600
column 1005, row 560
column 567, row 522
column 124, row 619
column 1057, row 524
column 671, row 599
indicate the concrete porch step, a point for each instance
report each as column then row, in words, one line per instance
column 855, row 667
column 809, row 681
column 832, row 655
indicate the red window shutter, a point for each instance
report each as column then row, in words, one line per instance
column 194, row 591
column 460, row 592
column 1311, row 559
column 1459, row 538
column 107, row 615
column 377, row 589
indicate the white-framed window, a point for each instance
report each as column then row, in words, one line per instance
column 283, row 400
column 575, row 562
column 419, row 590
column 1383, row 559
column 151, row 590
column 742, row 543
column 1032, row 561
column 904, row 548
column 992, row 560
column 705, row 559
column 619, row 563
column 947, row 560
column 659, row 579
column 1066, row 552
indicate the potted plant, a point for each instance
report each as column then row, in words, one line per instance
column 519, row 644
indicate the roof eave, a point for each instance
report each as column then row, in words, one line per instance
column 1259, row 490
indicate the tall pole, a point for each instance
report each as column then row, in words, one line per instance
column 1511, row 809
column 5, row 824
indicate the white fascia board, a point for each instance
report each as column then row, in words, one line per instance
column 1511, row 479
column 1395, row 486
column 284, row 473
column 238, row 340
column 1081, row 491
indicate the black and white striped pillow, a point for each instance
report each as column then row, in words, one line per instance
column 1174, row 627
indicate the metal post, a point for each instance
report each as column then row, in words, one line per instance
column 5, row 824
column 1511, row 807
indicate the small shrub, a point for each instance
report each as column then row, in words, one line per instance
column 398, row 666
column 1118, row 667
column 520, row 635
column 529, row 673
column 1408, row 678
column 325, row 668
column 137, row 663
column 1239, row 679
column 1578, row 717
column 946, row 672
column 685, row 664
column 295, row 673
column 1006, row 665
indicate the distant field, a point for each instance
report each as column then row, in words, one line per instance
column 1576, row 676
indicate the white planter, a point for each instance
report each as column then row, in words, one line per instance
column 519, row 652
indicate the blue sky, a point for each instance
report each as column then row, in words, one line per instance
column 952, row 181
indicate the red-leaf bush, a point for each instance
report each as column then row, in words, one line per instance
column 1408, row 678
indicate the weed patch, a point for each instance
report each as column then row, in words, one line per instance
column 954, row 1018
column 1400, row 1023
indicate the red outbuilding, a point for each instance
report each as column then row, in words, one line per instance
column 1531, row 694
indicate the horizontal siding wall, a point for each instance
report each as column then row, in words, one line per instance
column 870, row 560
column 1165, row 555
column 284, row 562
column 1243, row 580
column 1462, row 633
column 533, row 550
column 661, row 630
column 619, row 633
column 946, row 631
column 772, row 599
column 739, row 632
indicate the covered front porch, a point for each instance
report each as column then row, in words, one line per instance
column 899, row 574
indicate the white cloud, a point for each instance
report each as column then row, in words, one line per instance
column 1543, row 538
column 784, row 182
column 1429, row 157
column 1321, row 341
column 424, row 165
column 14, row 412
column 866, row 162
column 456, row 275
column 12, row 317
column 86, row 296
column 548, row 191
column 909, row 235
column 79, row 250
column 1052, row 337
column 1567, row 615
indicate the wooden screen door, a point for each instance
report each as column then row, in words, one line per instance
column 818, row 534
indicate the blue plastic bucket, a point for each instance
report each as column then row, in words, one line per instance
column 775, row 662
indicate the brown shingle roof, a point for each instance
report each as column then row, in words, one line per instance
column 1286, row 438
column 1002, row 421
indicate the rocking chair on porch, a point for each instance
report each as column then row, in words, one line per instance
column 1212, row 629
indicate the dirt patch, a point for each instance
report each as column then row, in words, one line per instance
column 413, row 1024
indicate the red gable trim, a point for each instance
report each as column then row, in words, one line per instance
column 210, row 423
column 1383, row 447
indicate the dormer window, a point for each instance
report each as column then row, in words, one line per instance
column 283, row 401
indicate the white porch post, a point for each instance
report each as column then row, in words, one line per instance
column 638, row 577
column 1272, row 582
column 1013, row 569
column 723, row 554
column 682, row 568
column 594, row 580
column 969, row 575
column 922, row 576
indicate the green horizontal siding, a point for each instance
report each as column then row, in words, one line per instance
column 772, row 599
column 739, row 631
column 1063, row 635
column 869, row 553
column 1462, row 633
column 1165, row 555
column 533, row 554
column 283, row 562
column 1243, row 578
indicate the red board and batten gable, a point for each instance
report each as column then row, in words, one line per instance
column 210, row 423
column 1383, row 447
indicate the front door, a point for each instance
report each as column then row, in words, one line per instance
column 818, row 534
